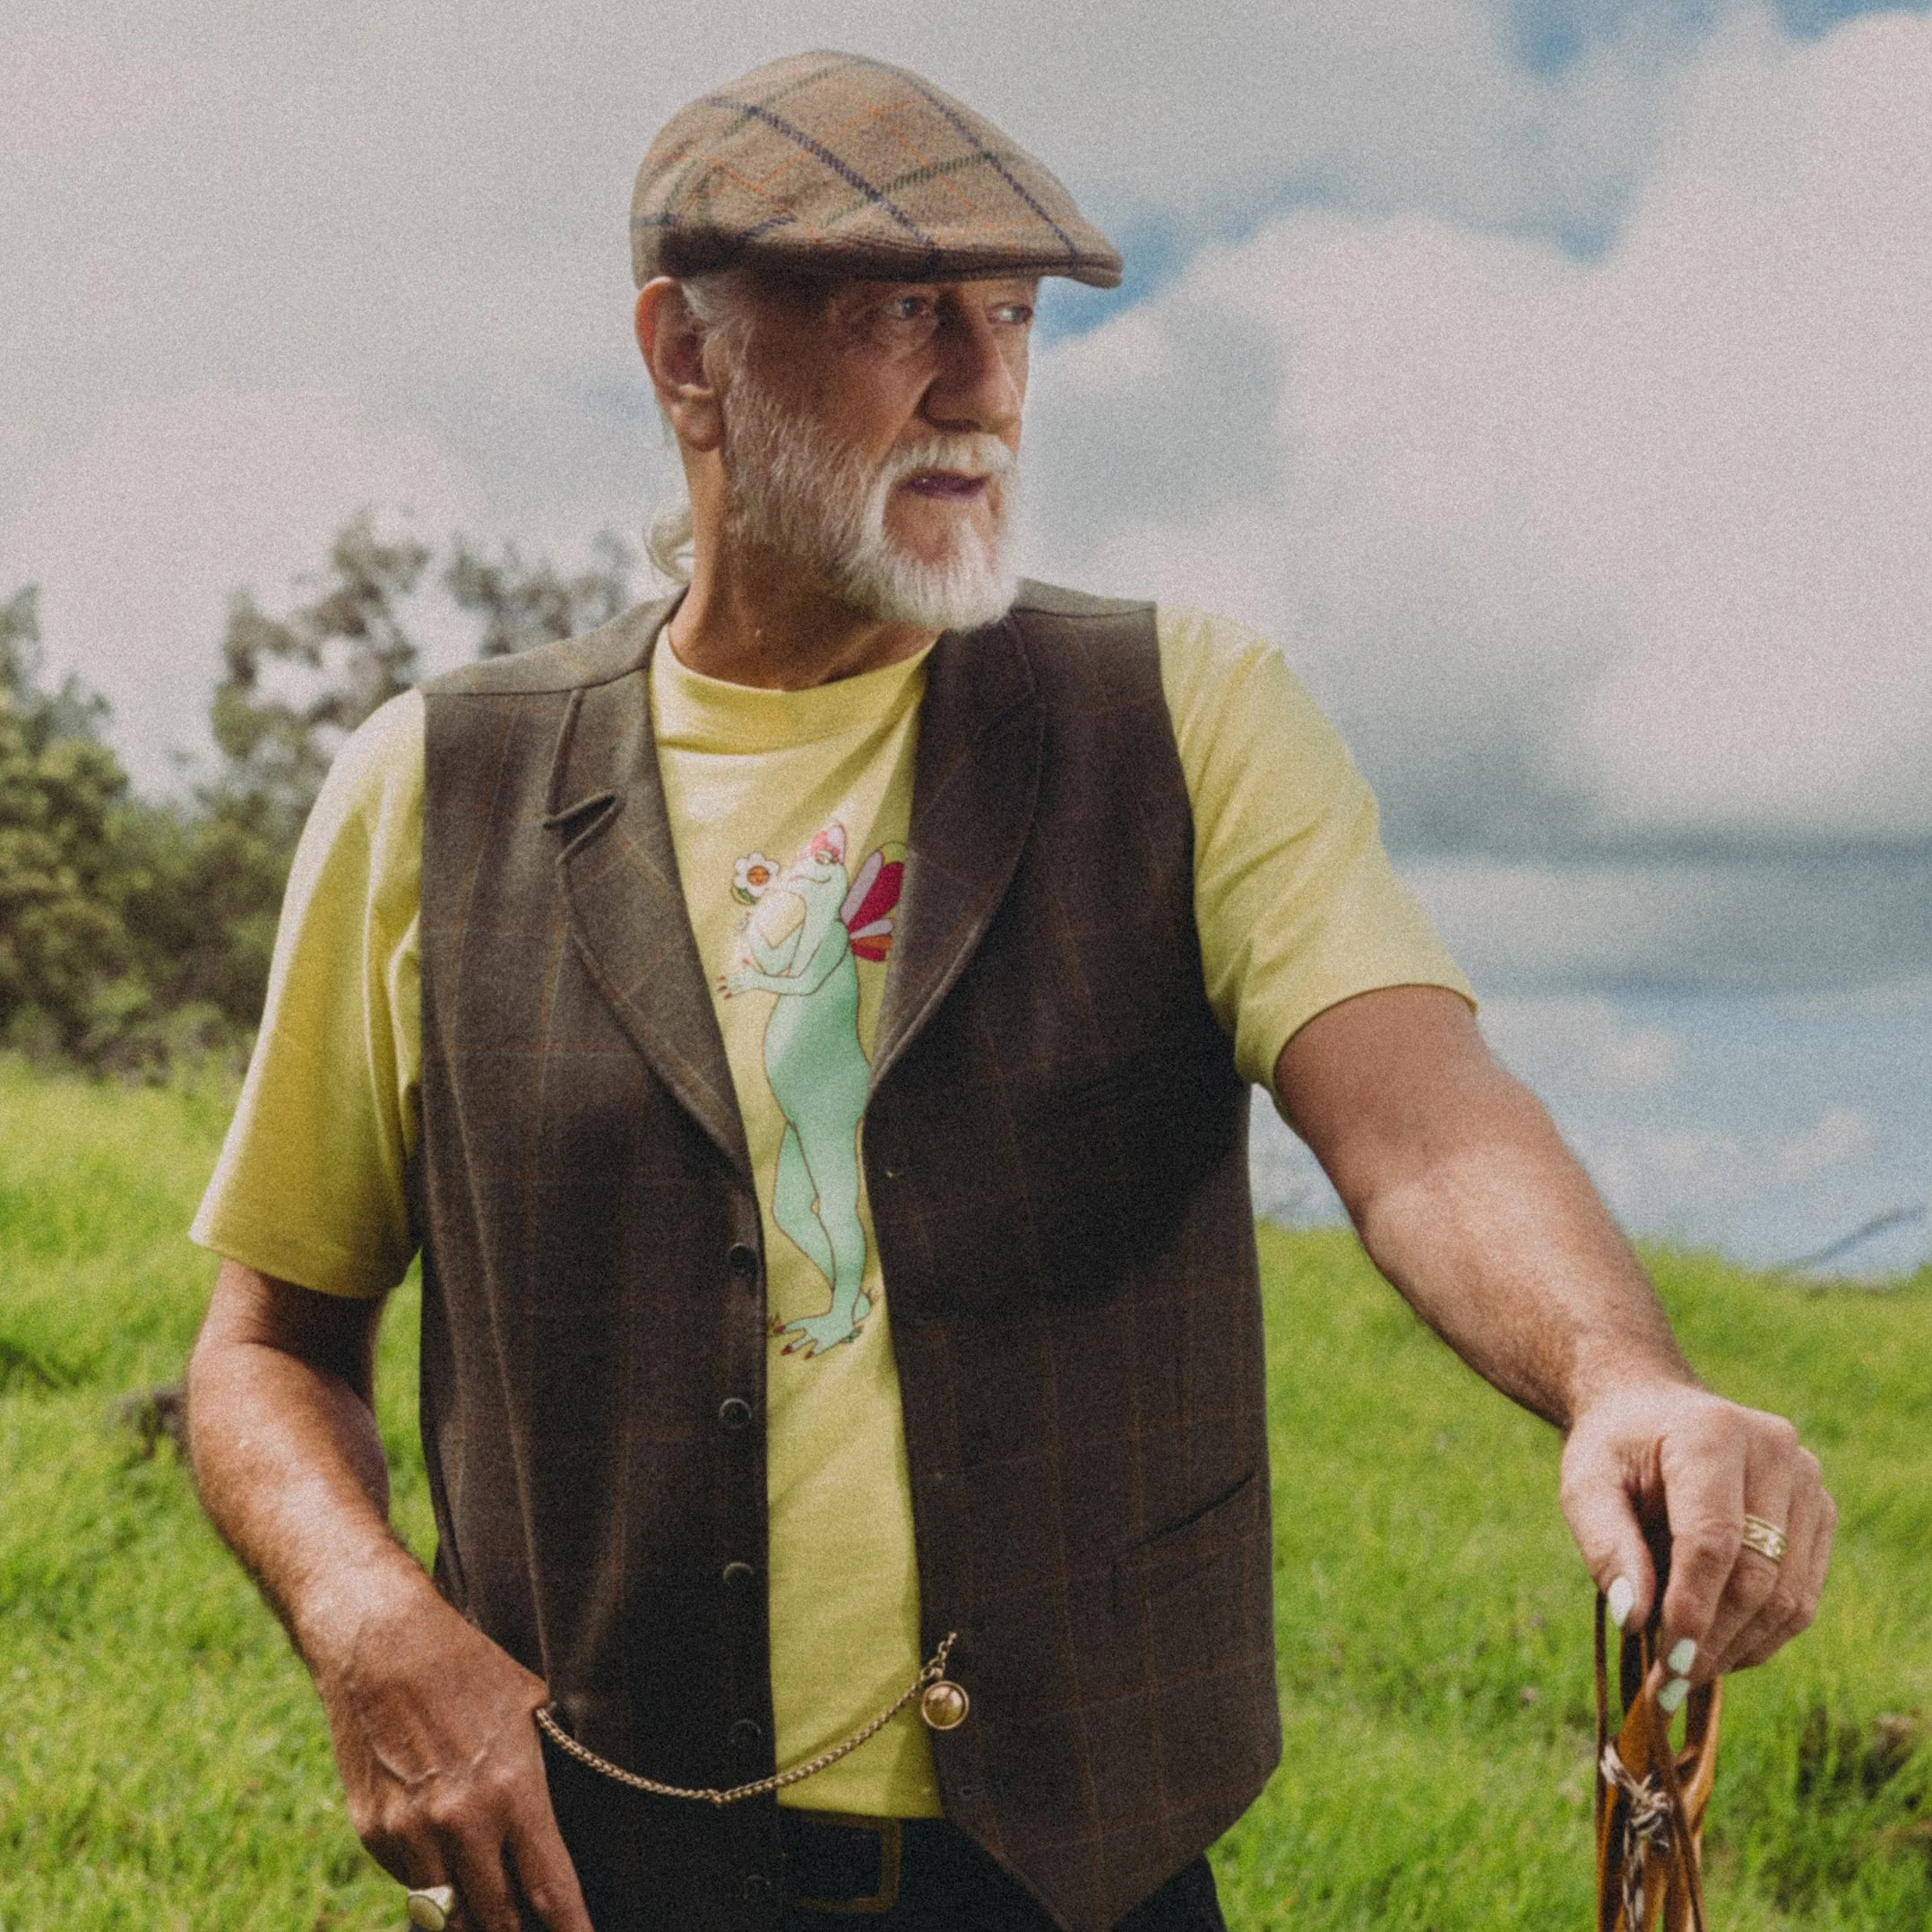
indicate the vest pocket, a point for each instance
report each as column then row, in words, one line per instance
column 1192, row 1604
column 1164, row 1556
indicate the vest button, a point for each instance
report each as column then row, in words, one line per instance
column 746, row 1734
column 735, row 1573
column 734, row 1412
column 742, row 1260
column 757, row 1889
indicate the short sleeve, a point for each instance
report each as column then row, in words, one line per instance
column 310, row 1185
column 1297, row 903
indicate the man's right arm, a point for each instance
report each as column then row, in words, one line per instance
column 431, row 1721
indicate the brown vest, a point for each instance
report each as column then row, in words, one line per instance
column 1056, row 1154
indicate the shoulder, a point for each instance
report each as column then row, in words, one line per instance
column 1097, row 654
column 1198, row 648
column 1227, row 689
column 1248, row 732
column 1050, row 600
column 356, row 867
column 1213, row 668
column 378, row 772
column 1213, row 672
column 610, row 651
column 1194, row 647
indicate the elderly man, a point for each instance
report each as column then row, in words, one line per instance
column 806, row 1028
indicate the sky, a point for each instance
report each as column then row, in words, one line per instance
column 1547, row 377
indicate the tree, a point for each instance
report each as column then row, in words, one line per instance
column 63, row 942
column 202, row 913
column 130, row 929
column 278, row 729
column 526, row 604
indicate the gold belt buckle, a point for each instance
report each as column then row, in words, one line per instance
column 891, row 1853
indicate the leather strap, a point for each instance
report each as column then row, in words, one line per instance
column 1650, row 1798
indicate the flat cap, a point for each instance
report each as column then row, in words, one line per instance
column 834, row 164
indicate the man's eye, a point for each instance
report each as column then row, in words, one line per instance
column 1013, row 315
column 909, row 308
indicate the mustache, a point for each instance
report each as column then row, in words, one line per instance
column 971, row 453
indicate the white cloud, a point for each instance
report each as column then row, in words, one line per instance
column 1637, row 1060
column 419, row 214
column 1582, row 554
column 440, row 189
column 1583, row 1043
column 1199, row 115
column 1841, row 1134
column 1683, row 1183
column 1792, row 922
column 1905, row 1000
column 1588, row 556
column 1646, row 532
column 1697, row 1160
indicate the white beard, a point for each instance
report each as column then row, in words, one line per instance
column 796, row 491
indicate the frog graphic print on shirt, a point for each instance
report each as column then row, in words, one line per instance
column 790, row 812
column 808, row 928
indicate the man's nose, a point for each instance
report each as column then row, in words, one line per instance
column 978, row 386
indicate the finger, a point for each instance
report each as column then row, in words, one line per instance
column 1761, row 1594
column 395, row 1839
column 474, row 1859
column 1704, row 1478
column 422, row 1868
column 1772, row 1493
column 1800, row 1585
column 545, row 1874
column 1783, row 1614
column 1603, row 1519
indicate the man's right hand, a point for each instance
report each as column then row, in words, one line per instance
column 431, row 1721
column 439, row 1755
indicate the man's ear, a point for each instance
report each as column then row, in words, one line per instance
column 673, row 349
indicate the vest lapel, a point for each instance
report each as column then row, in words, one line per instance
column 627, row 911
column 976, row 779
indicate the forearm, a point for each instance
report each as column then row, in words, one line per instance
column 1507, row 1252
column 1470, row 1203
column 431, row 1721
column 290, row 1468
column 1500, row 1243
column 1472, row 1206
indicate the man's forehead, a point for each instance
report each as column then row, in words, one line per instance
column 860, row 291
column 832, row 297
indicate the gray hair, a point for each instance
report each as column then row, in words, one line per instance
column 722, row 304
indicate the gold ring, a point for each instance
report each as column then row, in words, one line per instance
column 1766, row 1538
column 431, row 1907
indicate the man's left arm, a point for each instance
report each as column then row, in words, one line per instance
column 1471, row 1205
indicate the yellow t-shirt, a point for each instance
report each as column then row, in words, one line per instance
column 789, row 814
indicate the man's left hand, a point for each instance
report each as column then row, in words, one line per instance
column 1471, row 1205
column 1663, row 1452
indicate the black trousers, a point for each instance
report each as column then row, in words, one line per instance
column 636, row 1857
column 946, row 1884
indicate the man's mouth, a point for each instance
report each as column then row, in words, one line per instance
column 946, row 486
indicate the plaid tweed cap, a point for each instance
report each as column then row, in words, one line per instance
column 840, row 164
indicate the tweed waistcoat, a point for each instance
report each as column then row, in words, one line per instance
column 1055, row 1150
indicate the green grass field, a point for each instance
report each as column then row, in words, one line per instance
column 163, row 1764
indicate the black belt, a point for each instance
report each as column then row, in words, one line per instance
column 838, row 1863
column 931, row 1871
column 850, row 1866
